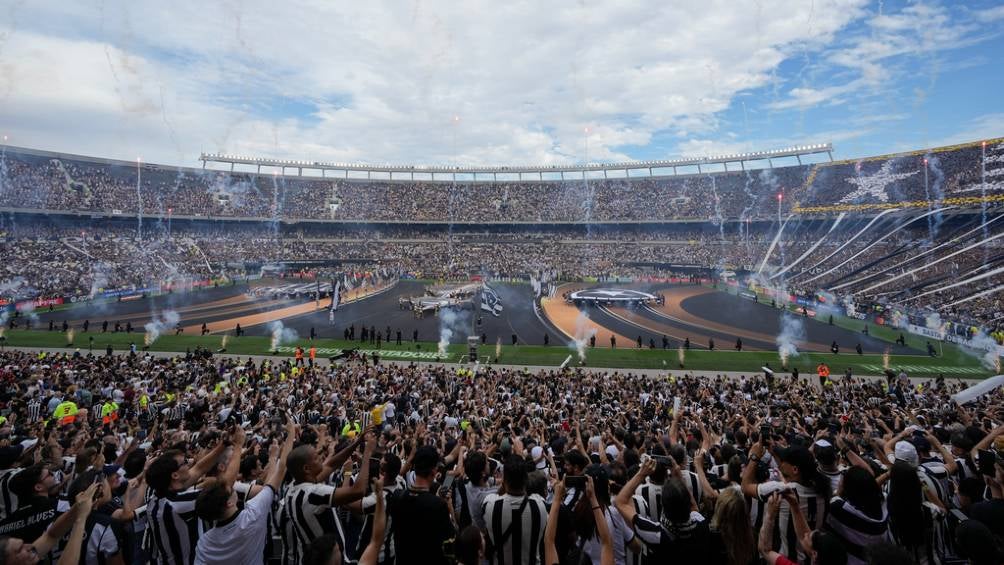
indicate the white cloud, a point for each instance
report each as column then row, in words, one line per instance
column 169, row 80
column 920, row 30
column 987, row 126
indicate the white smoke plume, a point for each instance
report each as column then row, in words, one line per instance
column 280, row 334
column 583, row 331
column 986, row 348
column 792, row 330
column 99, row 279
column 158, row 325
column 933, row 321
column 451, row 321
column 29, row 310
column 12, row 286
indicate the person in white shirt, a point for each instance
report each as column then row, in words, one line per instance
column 238, row 536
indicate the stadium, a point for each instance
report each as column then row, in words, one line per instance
column 692, row 294
column 856, row 249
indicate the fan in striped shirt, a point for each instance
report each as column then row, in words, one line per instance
column 857, row 516
column 171, row 520
column 390, row 467
column 681, row 534
column 516, row 519
column 651, row 493
column 308, row 505
column 9, row 457
column 801, row 474
column 34, row 409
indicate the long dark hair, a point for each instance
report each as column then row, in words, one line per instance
column 905, row 503
column 861, row 490
column 468, row 546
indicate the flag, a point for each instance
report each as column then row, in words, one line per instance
column 336, row 295
column 535, row 285
column 490, row 300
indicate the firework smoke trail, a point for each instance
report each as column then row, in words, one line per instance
column 450, row 204
column 885, row 359
column 223, row 342
column 3, row 166
column 936, row 190
column 719, row 221
column 69, row 336
column 158, row 325
column 139, row 200
column 275, row 205
column 583, row 332
column 983, row 199
column 498, row 347
column 747, row 214
column 681, row 355
column 280, row 335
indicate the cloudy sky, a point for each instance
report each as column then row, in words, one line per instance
column 487, row 82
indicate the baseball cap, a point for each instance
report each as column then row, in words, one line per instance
column 905, row 451
column 825, row 452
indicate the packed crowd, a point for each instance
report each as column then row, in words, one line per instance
column 74, row 258
column 42, row 182
column 969, row 170
column 196, row 459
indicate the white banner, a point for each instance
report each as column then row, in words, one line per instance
column 926, row 332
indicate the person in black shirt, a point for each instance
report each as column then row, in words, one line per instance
column 37, row 508
column 424, row 517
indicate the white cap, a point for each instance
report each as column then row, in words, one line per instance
column 905, row 451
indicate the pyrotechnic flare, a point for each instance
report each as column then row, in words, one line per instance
column 583, row 333
column 681, row 355
column 223, row 342
column 885, row 360
column 498, row 348
column 69, row 336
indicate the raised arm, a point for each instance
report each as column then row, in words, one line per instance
column 234, row 465
column 74, row 546
column 766, row 544
column 48, row 540
column 702, row 476
column 551, row 530
column 801, row 525
column 950, row 465
column 372, row 552
column 278, row 471
column 623, row 500
column 338, row 459
column 345, row 495
column 749, row 484
column 607, row 549
column 202, row 466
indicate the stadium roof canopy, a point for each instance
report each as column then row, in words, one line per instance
column 664, row 167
